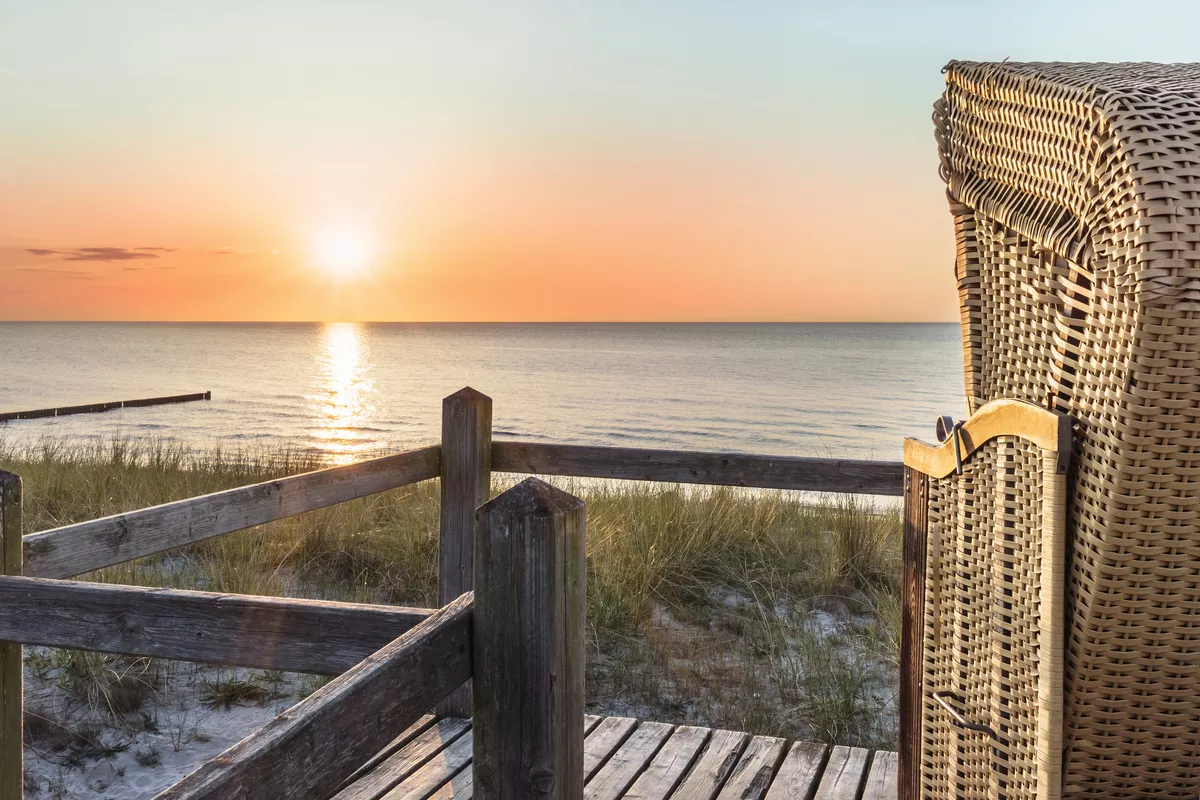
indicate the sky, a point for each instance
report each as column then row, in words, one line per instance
column 487, row 161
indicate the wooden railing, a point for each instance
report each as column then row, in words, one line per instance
column 382, row 651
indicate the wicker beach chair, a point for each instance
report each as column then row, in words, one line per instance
column 1075, row 193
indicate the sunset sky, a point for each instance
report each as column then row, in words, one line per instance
column 499, row 161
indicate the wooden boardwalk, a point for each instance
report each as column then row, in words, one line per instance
column 644, row 760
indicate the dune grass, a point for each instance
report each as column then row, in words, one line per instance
column 755, row 610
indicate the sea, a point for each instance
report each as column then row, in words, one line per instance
column 347, row 391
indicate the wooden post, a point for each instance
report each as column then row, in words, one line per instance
column 530, row 575
column 12, row 772
column 912, row 625
column 466, row 478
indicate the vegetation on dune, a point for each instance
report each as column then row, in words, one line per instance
column 755, row 610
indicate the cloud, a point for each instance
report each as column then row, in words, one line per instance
column 231, row 251
column 96, row 253
column 107, row 254
column 155, row 267
column 159, row 249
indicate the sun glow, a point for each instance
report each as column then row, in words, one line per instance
column 343, row 252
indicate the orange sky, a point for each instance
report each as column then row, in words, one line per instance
column 574, row 161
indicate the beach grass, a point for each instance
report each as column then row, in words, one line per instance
column 763, row 611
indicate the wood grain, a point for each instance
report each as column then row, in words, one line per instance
column 397, row 767
column 75, row 549
column 310, row 749
column 713, row 768
column 628, row 762
column 316, row 636
column 1049, row 430
column 799, row 773
column 670, row 765
column 881, row 780
column 466, row 478
column 912, row 624
column 11, row 662
column 754, row 771
column 845, row 772
column 854, row 476
column 530, row 573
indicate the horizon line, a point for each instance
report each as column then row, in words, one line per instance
column 462, row 322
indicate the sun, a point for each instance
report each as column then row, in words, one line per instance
column 342, row 251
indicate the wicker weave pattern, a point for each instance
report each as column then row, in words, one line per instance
column 1075, row 191
column 982, row 625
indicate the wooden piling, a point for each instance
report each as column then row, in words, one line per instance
column 466, row 477
column 529, row 645
column 11, row 662
column 96, row 408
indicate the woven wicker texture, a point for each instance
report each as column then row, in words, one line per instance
column 1075, row 192
column 983, row 600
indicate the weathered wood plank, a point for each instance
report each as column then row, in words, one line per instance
column 232, row 630
column 603, row 740
column 435, row 772
column 405, row 762
column 799, row 773
column 410, row 733
column 854, row 476
column 844, row 774
column 466, row 480
column 882, row 781
column 713, row 768
column 628, row 762
column 93, row 408
column 310, row 749
column 462, row 785
column 672, row 761
column 752, row 776
column 530, row 586
column 912, row 627
column 12, row 711
column 75, row 549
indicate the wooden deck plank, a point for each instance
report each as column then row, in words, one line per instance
column 404, row 762
column 411, row 733
column 623, row 768
column 602, row 741
column 844, row 774
column 714, row 766
column 752, row 776
column 799, row 773
column 883, row 780
column 462, row 785
column 436, row 771
column 672, row 761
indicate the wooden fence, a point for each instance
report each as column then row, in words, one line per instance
column 394, row 663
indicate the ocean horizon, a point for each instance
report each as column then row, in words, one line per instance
column 347, row 391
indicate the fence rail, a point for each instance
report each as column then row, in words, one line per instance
column 76, row 549
column 843, row 476
column 315, row 636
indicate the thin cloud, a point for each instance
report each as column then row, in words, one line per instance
column 154, row 267
column 231, row 251
column 95, row 253
column 159, row 249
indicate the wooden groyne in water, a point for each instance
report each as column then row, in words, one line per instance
column 95, row 408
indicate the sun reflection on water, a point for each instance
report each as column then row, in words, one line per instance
column 342, row 401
